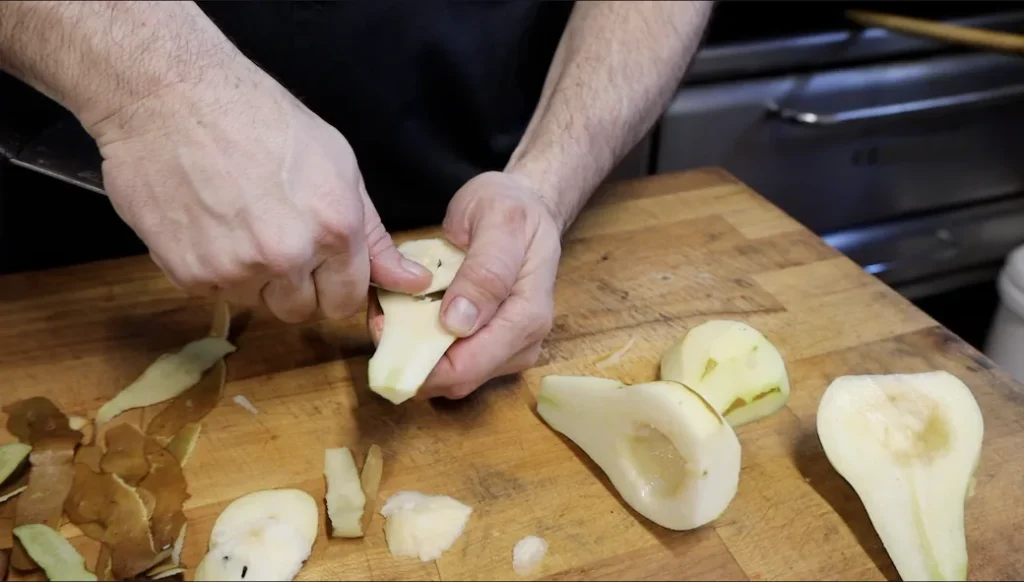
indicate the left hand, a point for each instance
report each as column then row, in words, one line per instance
column 501, row 302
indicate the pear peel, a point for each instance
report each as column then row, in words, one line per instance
column 667, row 452
column 53, row 553
column 908, row 444
column 413, row 339
column 731, row 365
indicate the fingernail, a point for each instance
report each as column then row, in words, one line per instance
column 461, row 316
column 413, row 268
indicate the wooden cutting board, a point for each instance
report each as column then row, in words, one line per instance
column 648, row 260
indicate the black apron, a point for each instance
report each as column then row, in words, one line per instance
column 428, row 92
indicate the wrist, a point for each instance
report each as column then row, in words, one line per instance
column 555, row 196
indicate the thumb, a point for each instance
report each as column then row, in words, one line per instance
column 388, row 268
column 494, row 255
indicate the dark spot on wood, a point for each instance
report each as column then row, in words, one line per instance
column 743, row 283
column 605, row 257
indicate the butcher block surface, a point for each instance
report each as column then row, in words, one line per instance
column 646, row 261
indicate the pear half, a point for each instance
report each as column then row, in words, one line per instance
column 670, row 455
column 733, row 366
column 413, row 339
column 908, row 444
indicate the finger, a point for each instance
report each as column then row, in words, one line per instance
column 342, row 283
column 522, row 360
column 291, row 299
column 495, row 253
column 388, row 268
column 476, row 359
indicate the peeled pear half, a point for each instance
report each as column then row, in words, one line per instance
column 413, row 339
column 908, row 444
column 733, row 366
column 671, row 457
column 264, row 535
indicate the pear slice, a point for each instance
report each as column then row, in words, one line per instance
column 733, row 366
column 264, row 535
column 671, row 457
column 908, row 444
column 413, row 339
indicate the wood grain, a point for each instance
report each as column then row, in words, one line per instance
column 648, row 260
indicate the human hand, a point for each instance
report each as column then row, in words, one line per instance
column 242, row 192
column 501, row 301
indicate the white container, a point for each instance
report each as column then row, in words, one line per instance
column 1005, row 342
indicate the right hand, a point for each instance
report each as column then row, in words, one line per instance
column 241, row 192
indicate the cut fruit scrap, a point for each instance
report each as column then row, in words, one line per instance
column 166, row 484
column 12, row 456
column 670, row 455
column 423, row 526
column 183, row 443
column 373, row 470
column 37, row 418
column 264, row 535
column 909, row 445
column 191, row 406
column 345, row 500
column 527, row 555
column 105, row 508
column 733, row 366
column 54, row 554
column 126, row 455
column 167, row 377
column 50, row 477
column 13, row 489
column 413, row 339
column 221, row 326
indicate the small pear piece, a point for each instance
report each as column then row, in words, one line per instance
column 413, row 339
column 344, row 498
column 671, row 457
column 423, row 526
column 908, row 444
column 733, row 366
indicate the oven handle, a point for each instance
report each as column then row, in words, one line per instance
column 974, row 98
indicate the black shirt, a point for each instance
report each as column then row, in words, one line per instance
column 428, row 92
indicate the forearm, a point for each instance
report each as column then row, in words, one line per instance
column 616, row 67
column 98, row 58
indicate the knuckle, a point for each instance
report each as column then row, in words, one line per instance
column 286, row 254
column 491, row 276
column 378, row 240
column 338, row 228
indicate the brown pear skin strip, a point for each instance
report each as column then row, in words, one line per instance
column 104, row 565
column 50, row 479
column 183, row 443
column 369, row 480
column 126, row 455
column 7, row 511
column 166, row 482
column 190, row 406
column 90, row 456
column 221, row 326
column 5, row 564
column 37, row 418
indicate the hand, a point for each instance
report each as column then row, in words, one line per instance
column 501, row 302
column 246, row 194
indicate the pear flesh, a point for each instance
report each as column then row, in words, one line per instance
column 264, row 535
column 670, row 455
column 413, row 339
column 908, row 444
column 733, row 366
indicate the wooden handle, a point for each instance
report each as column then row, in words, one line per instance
column 951, row 33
